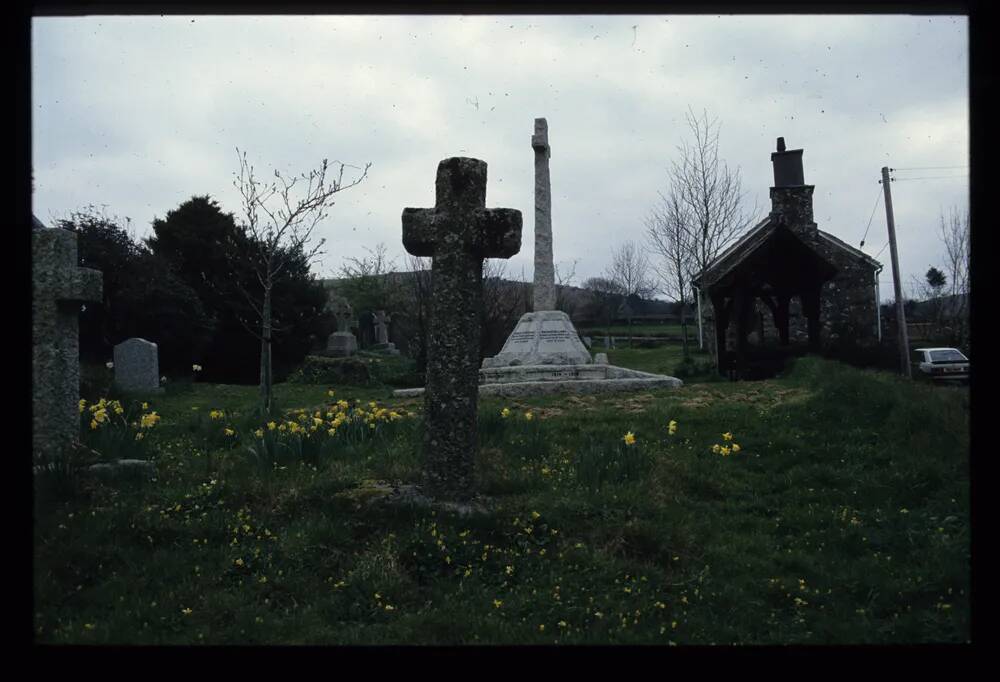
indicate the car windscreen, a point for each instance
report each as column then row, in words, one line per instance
column 948, row 355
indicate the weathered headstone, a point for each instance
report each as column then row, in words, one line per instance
column 341, row 343
column 459, row 232
column 382, row 343
column 58, row 288
column 381, row 321
column 137, row 366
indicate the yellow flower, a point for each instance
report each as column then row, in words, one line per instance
column 535, row 515
column 541, row 628
column 317, row 422
column 505, row 412
column 186, row 611
column 332, row 432
column 528, row 416
column 716, row 448
column 724, row 451
column 239, row 562
column 672, row 427
column 497, row 603
column 145, row 406
column 83, row 404
column 727, row 436
column 89, row 626
column 139, row 436
column 259, row 433
column 282, row 427
column 229, row 432
column 93, row 424
column 271, row 426
column 629, row 438
column 216, row 414
column 736, row 448
column 148, row 421
column 330, row 393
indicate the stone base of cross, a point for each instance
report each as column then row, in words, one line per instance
column 458, row 233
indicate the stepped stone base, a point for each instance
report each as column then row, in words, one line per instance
column 546, row 379
column 541, row 338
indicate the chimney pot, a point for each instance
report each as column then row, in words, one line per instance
column 781, row 144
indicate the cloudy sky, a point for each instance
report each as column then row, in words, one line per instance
column 138, row 114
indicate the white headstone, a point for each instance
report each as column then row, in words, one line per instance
column 137, row 366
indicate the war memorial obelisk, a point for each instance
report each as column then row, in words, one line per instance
column 545, row 336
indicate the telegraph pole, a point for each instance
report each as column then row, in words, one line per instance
column 904, row 341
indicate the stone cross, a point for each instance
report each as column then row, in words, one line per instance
column 343, row 313
column 381, row 326
column 544, row 285
column 459, row 232
column 58, row 288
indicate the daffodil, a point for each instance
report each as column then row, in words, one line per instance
column 727, row 436
column 528, row 416
column 196, row 368
column 716, row 448
column 724, row 451
column 497, row 603
column 505, row 412
column 629, row 438
column 736, row 448
column 259, row 433
column 271, row 426
column 216, row 414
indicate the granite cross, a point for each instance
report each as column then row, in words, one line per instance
column 459, row 232
column 58, row 287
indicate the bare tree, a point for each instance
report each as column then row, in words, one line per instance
column 630, row 271
column 605, row 296
column 564, row 276
column 669, row 238
column 708, row 191
column 280, row 220
column 504, row 301
column 956, row 238
column 367, row 283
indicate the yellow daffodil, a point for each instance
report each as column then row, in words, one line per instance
column 724, row 451
column 505, row 412
column 83, row 404
column 528, row 416
column 93, row 423
column 736, row 448
column 271, row 426
column 216, row 414
column 259, row 433
column 145, row 406
column 330, row 393
column 716, row 448
column 497, row 603
column 727, row 436
column 629, row 438
column 196, row 368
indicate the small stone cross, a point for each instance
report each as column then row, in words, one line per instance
column 58, row 288
column 381, row 321
column 459, row 232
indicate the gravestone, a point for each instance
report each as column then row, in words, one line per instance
column 458, row 233
column 58, row 289
column 382, row 344
column 341, row 343
column 137, row 366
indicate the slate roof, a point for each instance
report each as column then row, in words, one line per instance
column 754, row 238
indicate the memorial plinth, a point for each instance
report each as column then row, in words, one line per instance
column 541, row 338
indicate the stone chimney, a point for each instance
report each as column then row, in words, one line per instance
column 791, row 198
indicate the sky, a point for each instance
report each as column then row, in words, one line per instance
column 138, row 114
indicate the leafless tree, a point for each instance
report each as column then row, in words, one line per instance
column 280, row 218
column 368, row 284
column 605, row 296
column 564, row 276
column 630, row 271
column 504, row 301
column 708, row 191
column 669, row 238
column 955, row 236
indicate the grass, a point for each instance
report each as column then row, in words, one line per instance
column 843, row 519
column 642, row 330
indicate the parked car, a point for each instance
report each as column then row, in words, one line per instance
column 941, row 364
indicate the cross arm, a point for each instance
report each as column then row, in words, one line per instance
column 419, row 236
column 500, row 230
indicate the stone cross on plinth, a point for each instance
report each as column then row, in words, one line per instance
column 58, row 288
column 545, row 283
column 459, row 232
column 381, row 321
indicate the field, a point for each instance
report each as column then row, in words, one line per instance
column 842, row 518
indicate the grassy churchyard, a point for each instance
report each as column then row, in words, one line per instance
column 828, row 506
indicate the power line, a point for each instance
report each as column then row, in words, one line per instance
column 878, row 197
column 928, row 168
column 930, row 177
column 880, row 251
